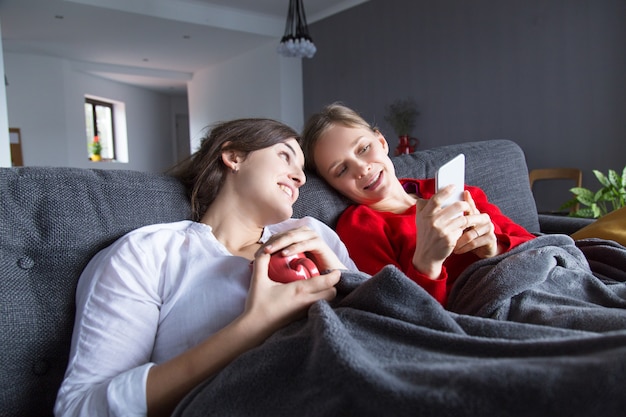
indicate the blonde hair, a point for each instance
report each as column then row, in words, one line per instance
column 331, row 115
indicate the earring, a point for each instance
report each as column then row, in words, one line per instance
column 235, row 170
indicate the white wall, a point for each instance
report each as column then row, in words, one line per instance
column 45, row 100
column 5, row 148
column 258, row 84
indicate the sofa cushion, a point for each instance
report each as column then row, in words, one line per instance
column 611, row 226
column 52, row 221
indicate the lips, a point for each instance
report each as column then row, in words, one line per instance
column 291, row 192
column 374, row 182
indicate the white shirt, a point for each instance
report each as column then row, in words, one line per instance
column 153, row 294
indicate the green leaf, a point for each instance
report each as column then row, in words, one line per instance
column 614, row 179
column 577, row 191
column 603, row 195
column 600, row 176
column 584, row 196
column 584, row 212
column 568, row 204
column 596, row 211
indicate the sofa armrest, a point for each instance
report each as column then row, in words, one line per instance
column 553, row 224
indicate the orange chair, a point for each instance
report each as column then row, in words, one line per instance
column 574, row 174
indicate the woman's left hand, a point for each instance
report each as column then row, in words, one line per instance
column 479, row 233
column 304, row 239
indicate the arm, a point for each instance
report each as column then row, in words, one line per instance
column 491, row 232
column 270, row 306
column 121, row 298
column 376, row 239
column 483, row 230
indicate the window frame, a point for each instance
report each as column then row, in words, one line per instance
column 94, row 120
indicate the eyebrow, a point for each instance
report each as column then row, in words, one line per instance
column 293, row 150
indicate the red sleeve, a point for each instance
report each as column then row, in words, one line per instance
column 373, row 242
column 508, row 233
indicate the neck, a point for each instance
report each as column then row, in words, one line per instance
column 238, row 233
column 397, row 202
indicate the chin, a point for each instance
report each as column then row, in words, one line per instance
column 281, row 215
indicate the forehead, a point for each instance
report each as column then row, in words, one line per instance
column 339, row 138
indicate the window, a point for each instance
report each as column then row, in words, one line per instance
column 100, row 129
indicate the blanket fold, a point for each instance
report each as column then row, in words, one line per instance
column 386, row 347
column 551, row 281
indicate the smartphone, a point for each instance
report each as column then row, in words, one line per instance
column 452, row 172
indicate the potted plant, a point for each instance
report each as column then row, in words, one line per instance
column 610, row 197
column 402, row 115
column 96, row 149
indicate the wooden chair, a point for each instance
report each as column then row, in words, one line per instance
column 574, row 174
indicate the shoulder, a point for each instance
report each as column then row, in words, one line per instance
column 151, row 236
column 160, row 228
column 293, row 223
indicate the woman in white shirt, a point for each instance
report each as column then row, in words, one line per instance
column 169, row 305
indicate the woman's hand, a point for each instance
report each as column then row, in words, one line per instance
column 478, row 236
column 272, row 305
column 438, row 231
column 303, row 239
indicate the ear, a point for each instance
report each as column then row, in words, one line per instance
column 382, row 141
column 231, row 158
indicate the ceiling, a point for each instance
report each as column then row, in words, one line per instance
column 156, row 44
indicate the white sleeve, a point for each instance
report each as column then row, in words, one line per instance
column 117, row 314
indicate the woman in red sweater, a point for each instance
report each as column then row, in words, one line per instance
column 401, row 222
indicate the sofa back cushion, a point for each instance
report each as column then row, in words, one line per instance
column 497, row 166
column 52, row 221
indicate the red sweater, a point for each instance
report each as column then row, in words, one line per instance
column 375, row 239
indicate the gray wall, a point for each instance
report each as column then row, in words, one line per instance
column 549, row 74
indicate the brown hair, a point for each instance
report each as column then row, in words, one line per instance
column 332, row 114
column 204, row 172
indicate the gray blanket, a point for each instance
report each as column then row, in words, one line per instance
column 385, row 347
column 550, row 280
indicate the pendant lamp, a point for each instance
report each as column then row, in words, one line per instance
column 296, row 42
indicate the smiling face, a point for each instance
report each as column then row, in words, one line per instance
column 355, row 162
column 269, row 180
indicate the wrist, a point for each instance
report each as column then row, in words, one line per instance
column 431, row 270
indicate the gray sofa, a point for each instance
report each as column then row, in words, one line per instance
column 53, row 220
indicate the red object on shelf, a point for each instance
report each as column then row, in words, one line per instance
column 407, row 145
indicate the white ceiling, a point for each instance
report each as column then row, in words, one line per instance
column 156, row 44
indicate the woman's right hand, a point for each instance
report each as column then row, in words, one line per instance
column 300, row 240
column 271, row 305
column 438, row 230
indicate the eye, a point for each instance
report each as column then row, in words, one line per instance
column 364, row 149
column 340, row 171
column 285, row 156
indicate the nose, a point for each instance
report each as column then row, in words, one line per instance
column 362, row 168
column 298, row 177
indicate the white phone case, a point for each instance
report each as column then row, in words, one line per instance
column 452, row 172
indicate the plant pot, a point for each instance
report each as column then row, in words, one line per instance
column 407, row 145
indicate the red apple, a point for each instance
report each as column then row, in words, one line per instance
column 291, row 268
